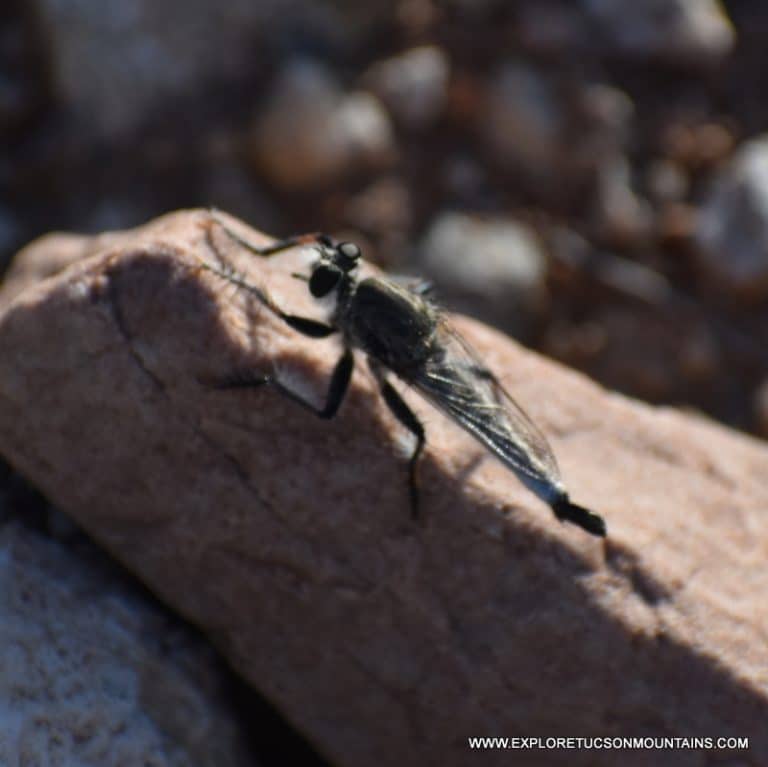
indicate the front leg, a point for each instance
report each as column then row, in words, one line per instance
column 304, row 325
column 312, row 238
column 337, row 388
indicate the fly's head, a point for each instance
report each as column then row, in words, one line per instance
column 334, row 269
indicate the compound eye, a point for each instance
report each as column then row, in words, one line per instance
column 349, row 250
column 323, row 280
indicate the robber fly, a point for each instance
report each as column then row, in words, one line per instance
column 402, row 332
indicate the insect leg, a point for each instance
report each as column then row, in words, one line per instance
column 304, row 325
column 274, row 247
column 407, row 418
column 337, row 388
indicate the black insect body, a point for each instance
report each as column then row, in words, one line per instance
column 404, row 333
column 391, row 324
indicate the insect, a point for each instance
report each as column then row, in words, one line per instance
column 403, row 332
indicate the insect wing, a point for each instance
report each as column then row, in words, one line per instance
column 458, row 384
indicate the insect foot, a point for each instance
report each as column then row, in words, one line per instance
column 580, row 516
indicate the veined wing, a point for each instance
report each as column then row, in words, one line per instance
column 457, row 383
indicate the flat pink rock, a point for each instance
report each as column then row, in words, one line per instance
column 288, row 539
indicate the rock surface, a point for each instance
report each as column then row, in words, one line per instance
column 90, row 675
column 288, row 538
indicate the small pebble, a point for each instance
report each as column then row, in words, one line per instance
column 667, row 181
column 413, row 85
column 310, row 132
column 731, row 229
column 621, row 213
column 494, row 269
column 523, row 122
column 690, row 31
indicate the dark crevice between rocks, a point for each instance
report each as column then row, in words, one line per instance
column 21, row 500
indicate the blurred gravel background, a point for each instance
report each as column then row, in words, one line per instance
column 589, row 175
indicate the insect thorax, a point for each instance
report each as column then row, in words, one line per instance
column 390, row 323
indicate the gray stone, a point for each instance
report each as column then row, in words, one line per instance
column 494, row 269
column 93, row 676
column 385, row 207
column 310, row 132
column 413, row 84
column 522, row 122
column 551, row 27
column 667, row 181
column 114, row 63
column 365, row 129
column 732, row 224
column 620, row 212
column 691, row 30
column 608, row 113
